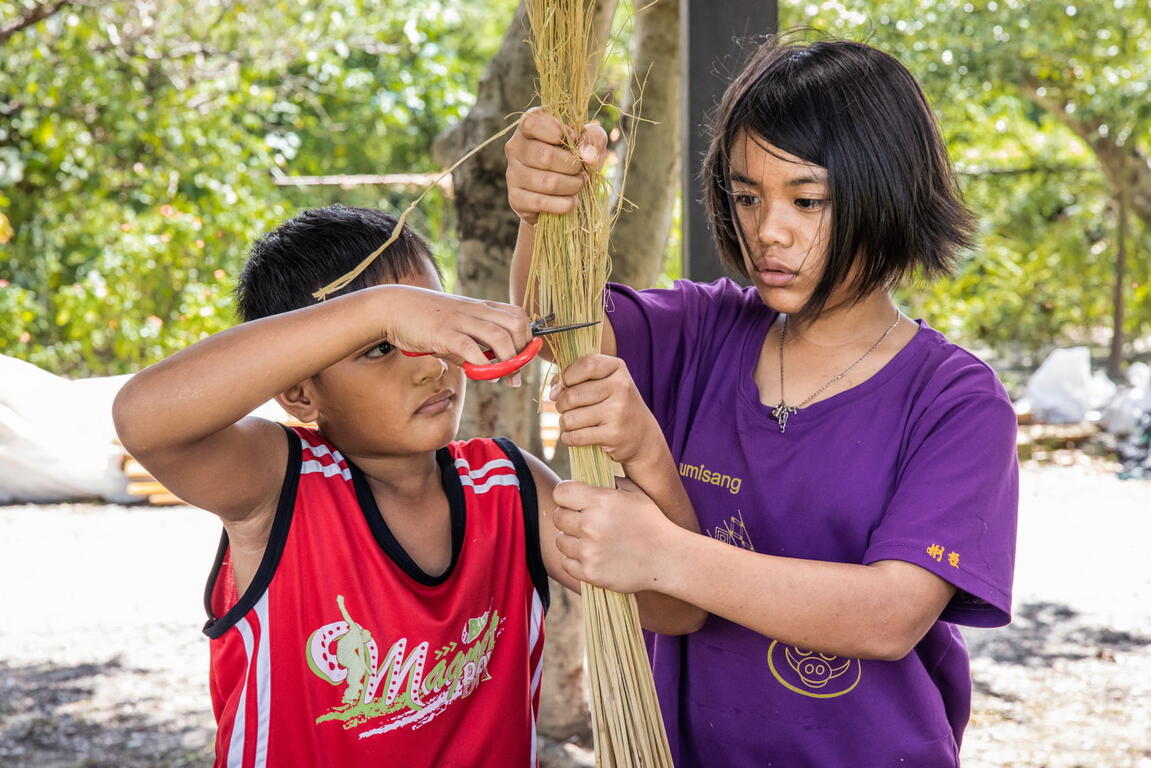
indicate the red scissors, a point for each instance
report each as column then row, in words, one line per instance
column 498, row 370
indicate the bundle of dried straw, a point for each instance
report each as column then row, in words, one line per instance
column 569, row 269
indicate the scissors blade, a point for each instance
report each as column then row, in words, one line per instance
column 547, row 330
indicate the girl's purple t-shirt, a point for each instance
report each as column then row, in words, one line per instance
column 918, row 463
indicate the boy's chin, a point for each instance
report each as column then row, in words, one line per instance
column 437, row 437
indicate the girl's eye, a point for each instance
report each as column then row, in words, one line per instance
column 744, row 200
column 810, row 204
column 379, row 350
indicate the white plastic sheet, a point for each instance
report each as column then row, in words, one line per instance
column 1061, row 390
column 1122, row 413
column 57, row 442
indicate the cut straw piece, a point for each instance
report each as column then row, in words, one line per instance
column 344, row 281
column 569, row 269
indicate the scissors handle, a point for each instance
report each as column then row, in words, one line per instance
column 504, row 367
column 496, row 370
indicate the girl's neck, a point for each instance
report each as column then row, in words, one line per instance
column 846, row 325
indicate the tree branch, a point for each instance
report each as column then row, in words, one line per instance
column 34, row 16
column 1128, row 171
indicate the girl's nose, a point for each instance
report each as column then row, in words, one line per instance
column 772, row 228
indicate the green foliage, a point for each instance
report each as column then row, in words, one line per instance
column 1021, row 88
column 139, row 144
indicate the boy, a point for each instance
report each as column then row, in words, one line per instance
column 379, row 590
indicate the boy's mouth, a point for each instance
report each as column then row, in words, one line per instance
column 437, row 403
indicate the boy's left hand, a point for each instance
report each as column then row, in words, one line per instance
column 615, row 538
column 599, row 405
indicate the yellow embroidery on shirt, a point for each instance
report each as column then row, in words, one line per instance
column 707, row 476
column 935, row 552
column 733, row 532
column 811, row 673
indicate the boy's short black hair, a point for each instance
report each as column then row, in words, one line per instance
column 318, row 246
column 857, row 112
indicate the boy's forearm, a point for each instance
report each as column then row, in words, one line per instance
column 218, row 381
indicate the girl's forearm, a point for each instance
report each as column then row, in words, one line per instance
column 877, row 611
column 521, row 265
column 656, row 474
column 657, row 477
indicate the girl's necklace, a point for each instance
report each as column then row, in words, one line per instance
column 781, row 412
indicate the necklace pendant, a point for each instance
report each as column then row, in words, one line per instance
column 780, row 413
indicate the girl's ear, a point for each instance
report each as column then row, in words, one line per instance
column 300, row 401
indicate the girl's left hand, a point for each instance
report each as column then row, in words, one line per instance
column 599, row 405
column 615, row 538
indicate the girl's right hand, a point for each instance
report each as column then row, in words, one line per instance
column 543, row 175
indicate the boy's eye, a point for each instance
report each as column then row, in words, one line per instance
column 810, row 204
column 379, row 350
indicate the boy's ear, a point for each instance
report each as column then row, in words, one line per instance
column 300, row 401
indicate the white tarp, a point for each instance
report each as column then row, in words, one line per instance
column 57, row 441
column 1063, row 389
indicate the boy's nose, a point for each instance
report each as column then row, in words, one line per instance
column 430, row 368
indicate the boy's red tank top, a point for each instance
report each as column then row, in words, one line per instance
column 342, row 652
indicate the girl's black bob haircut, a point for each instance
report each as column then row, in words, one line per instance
column 858, row 113
column 318, row 246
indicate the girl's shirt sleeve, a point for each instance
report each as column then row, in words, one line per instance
column 955, row 503
column 669, row 337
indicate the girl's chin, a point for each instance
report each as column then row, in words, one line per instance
column 782, row 300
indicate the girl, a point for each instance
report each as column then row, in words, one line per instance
column 853, row 472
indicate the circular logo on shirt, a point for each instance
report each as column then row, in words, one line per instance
column 811, row 673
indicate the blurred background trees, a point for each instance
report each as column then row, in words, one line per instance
column 144, row 143
column 141, row 141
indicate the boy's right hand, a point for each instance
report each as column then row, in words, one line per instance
column 454, row 328
column 543, row 175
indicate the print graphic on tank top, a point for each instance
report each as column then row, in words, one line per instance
column 396, row 690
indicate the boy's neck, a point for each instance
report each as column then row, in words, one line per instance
column 408, row 478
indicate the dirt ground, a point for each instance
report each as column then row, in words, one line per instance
column 102, row 663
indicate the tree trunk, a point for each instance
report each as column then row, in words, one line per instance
column 487, row 233
column 1115, row 359
column 639, row 239
column 487, row 227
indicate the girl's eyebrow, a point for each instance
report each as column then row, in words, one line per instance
column 798, row 181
